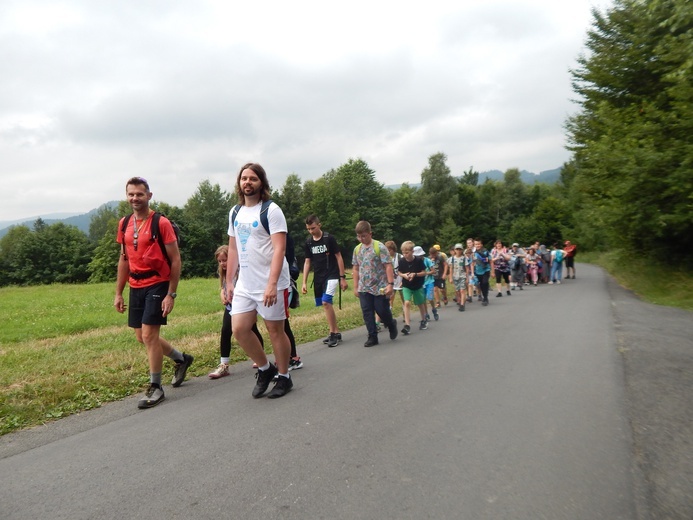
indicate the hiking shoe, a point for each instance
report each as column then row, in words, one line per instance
column 264, row 378
column 281, row 388
column 499, row 295
column 333, row 339
column 460, row 308
column 393, row 329
column 327, row 339
column 181, row 370
column 406, row 330
column 221, row 371
column 423, row 325
column 153, row 396
column 371, row 341
column 295, row 363
column 435, row 315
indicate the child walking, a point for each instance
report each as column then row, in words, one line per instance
column 413, row 271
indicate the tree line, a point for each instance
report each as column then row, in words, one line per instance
column 628, row 184
column 443, row 209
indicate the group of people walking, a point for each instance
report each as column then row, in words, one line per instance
column 255, row 279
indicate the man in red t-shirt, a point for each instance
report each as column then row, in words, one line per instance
column 153, row 282
column 570, row 251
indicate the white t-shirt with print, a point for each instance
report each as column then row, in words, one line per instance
column 255, row 249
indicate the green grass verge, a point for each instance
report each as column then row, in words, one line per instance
column 64, row 349
column 651, row 281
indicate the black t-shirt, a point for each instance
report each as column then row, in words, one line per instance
column 322, row 256
column 415, row 266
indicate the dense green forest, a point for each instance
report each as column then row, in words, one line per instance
column 628, row 185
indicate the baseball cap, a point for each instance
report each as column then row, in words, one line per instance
column 458, row 246
column 515, row 244
column 418, row 251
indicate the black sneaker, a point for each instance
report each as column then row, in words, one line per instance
column 484, row 303
column 393, row 329
column 435, row 315
column 153, row 396
column 406, row 330
column 508, row 293
column 423, row 325
column 181, row 370
column 371, row 341
column 295, row 363
column 460, row 308
column 327, row 339
column 469, row 299
column 499, row 295
column 334, row 339
column 281, row 388
column 264, row 378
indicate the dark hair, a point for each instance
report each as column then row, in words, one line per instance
column 137, row 181
column 312, row 219
column 260, row 172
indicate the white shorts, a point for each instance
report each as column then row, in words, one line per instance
column 246, row 302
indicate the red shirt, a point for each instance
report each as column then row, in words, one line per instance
column 144, row 241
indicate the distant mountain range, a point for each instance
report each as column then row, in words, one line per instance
column 83, row 220
column 547, row 177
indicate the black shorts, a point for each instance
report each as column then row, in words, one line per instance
column 570, row 261
column 439, row 283
column 145, row 305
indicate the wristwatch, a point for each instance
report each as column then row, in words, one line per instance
column 172, row 295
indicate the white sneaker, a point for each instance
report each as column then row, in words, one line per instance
column 221, row 371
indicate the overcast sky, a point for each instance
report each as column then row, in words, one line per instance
column 93, row 92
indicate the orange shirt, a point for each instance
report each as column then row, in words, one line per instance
column 144, row 241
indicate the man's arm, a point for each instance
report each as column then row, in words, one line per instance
column 121, row 280
column 174, row 255
column 231, row 268
column 279, row 247
column 306, row 272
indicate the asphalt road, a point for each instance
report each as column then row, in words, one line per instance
column 519, row 410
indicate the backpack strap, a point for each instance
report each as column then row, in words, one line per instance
column 156, row 217
column 126, row 220
column 263, row 214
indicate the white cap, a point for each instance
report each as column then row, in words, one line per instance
column 418, row 251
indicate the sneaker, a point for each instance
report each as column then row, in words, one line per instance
column 221, row 371
column 460, row 308
column 522, row 288
column 153, row 396
column 393, row 329
column 264, row 378
column 371, row 341
column 406, row 330
column 295, row 363
column 281, row 388
column 479, row 298
column 508, row 293
column 435, row 315
column 445, row 301
column 428, row 317
column 550, row 283
column 181, row 370
column 423, row 325
column 327, row 339
column 469, row 299
column 558, row 282
column 334, row 339
column 499, row 295
column 378, row 327
column 484, row 303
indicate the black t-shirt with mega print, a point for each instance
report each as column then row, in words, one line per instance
column 322, row 256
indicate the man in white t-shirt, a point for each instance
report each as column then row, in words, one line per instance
column 263, row 278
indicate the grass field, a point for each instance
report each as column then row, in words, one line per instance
column 64, row 349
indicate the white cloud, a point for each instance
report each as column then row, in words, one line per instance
column 178, row 92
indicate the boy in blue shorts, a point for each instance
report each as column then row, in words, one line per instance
column 429, row 282
column 413, row 272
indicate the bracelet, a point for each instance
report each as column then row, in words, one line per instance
column 342, row 276
column 390, row 283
